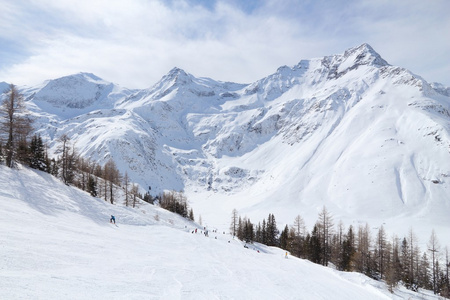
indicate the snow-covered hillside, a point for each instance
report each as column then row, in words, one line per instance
column 369, row 140
column 57, row 243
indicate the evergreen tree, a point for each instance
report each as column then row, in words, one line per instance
column 284, row 238
column 248, row 233
column 405, row 259
column 314, row 246
column 54, row 168
column 271, row 231
column 92, row 186
column 348, row 250
column 148, row 198
column 240, row 231
column 337, row 244
column 23, row 151
column 264, row 232
column 258, row 233
column 1, row 153
column 38, row 158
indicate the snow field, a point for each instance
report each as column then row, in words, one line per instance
column 60, row 245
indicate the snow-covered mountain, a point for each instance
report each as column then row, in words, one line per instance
column 369, row 140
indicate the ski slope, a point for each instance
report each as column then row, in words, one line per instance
column 56, row 242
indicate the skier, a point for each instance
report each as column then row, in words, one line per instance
column 112, row 220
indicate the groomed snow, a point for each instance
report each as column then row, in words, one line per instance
column 56, row 242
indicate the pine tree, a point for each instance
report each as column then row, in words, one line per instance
column 314, row 246
column 54, row 168
column 337, row 243
column 240, row 231
column 264, row 232
column 271, row 231
column 38, row 158
column 92, row 186
column 148, row 198
column 249, row 233
column 1, row 153
column 405, row 258
column 258, row 233
column 348, row 250
column 284, row 238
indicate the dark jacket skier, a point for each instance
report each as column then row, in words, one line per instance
column 112, row 220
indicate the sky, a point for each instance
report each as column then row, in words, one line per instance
column 134, row 43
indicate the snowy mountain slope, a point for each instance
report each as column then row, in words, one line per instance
column 77, row 94
column 56, row 242
column 368, row 140
column 3, row 86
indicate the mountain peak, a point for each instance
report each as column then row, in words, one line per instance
column 352, row 59
column 178, row 76
column 174, row 78
column 364, row 54
column 81, row 77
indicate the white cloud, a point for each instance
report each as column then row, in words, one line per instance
column 134, row 43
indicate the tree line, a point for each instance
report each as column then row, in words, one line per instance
column 19, row 145
column 391, row 259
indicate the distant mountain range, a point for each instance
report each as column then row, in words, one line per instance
column 350, row 131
